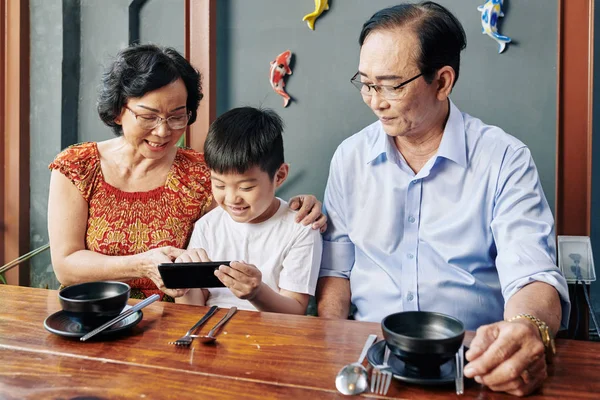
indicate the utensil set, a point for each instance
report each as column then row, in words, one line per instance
column 186, row 340
column 352, row 378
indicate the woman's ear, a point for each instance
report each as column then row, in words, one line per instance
column 281, row 174
column 119, row 119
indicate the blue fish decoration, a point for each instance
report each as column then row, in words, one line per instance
column 490, row 12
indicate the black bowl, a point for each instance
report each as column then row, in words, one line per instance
column 423, row 340
column 94, row 302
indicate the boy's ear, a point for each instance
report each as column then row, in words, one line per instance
column 281, row 174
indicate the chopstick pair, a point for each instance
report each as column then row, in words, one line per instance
column 121, row 316
column 24, row 257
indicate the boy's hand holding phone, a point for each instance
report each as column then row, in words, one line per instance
column 244, row 280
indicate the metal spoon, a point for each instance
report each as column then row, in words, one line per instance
column 211, row 337
column 352, row 378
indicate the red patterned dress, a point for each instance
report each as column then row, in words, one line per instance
column 126, row 223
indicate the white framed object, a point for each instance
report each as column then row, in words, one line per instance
column 575, row 258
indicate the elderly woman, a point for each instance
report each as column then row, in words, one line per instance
column 119, row 207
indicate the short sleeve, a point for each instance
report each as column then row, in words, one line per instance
column 80, row 163
column 301, row 265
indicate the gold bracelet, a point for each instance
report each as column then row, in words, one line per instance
column 545, row 334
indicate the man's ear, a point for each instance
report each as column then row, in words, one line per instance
column 445, row 80
column 281, row 174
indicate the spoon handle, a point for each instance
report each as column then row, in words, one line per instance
column 229, row 314
column 370, row 340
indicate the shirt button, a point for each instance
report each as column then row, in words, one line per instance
column 410, row 256
column 411, row 219
column 410, row 296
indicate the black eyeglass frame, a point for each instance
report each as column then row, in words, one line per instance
column 359, row 85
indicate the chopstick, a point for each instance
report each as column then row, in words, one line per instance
column 121, row 316
column 24, row 257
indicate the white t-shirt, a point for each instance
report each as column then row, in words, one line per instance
column 288, row 254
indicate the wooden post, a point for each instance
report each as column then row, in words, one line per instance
column 14, row 117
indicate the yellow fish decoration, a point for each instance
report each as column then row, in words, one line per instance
column 320, row 6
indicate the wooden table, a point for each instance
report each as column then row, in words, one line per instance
column 257, row 356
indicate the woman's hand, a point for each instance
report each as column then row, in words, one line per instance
column 193, row 255
column 309, row 211
column 149, row 261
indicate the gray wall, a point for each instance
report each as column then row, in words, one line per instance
column 515, row 90
column 45, row 107
column 104, row 31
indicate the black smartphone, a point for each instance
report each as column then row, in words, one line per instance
column 190, row 274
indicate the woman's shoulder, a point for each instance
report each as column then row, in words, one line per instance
column 80, row 163
column 80, row 151
column 190, row 171
column 190, row 161
column 81, row 156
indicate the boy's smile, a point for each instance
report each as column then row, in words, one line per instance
column 248, row 197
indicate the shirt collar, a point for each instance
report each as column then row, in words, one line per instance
column 382, row 144
column 452, row 145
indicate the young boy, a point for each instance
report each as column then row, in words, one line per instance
column 281, row 258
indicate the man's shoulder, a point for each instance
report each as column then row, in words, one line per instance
column 359, row 144
column 489, row 135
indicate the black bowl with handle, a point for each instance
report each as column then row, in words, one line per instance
column 423, row 340
column 94, row 303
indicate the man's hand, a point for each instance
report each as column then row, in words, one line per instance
column 508, row 357
column 309, row 211
column 244, row 280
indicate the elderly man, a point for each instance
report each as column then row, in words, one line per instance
column 431, row 209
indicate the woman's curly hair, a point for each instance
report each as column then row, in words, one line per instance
column 140, row 69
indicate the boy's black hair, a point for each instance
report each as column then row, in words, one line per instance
column 243, row 138
column 140, row 69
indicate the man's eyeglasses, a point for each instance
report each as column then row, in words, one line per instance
column 388, row 92
column 151, row 121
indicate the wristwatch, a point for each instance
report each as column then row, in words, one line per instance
column 545, row 334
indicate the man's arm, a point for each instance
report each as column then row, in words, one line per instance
column 333, row 297
column 538, row 299
column 333, row 287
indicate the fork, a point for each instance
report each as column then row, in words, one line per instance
column 187, row 339
column 381, row 377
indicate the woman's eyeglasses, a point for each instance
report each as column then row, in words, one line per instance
column 151, row 121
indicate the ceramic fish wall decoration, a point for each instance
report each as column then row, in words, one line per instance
column 320, row 6
column 490, row 12
column 280, row 67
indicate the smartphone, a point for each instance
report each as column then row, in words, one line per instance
column 190, row 275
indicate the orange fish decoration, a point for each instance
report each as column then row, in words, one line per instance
column 280, row 67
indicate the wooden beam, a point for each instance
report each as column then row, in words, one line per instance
column 15, row 121
column 200, row 50
column 574, row 138
column 575, row 86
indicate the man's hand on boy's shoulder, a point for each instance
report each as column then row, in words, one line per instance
column 244, row 280
column 309, row 211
